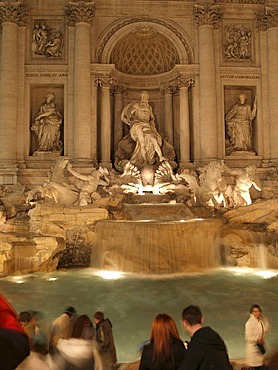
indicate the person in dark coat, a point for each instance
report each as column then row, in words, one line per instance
column 14, row 342
column 206, row 349
column 104, row 338
column 165, row 350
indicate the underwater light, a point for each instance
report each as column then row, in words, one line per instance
column 18, row 279
column 110, row 275
column 19, row 282
column 266, row 274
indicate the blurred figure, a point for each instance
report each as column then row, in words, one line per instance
column 14, row 342
column 105, row 340
column 24, row 318
column 165, row 350
column 28, row 321
column 80, row 351
column 36, row 360
column 34, row 321
column 256, row 328
column 83, row 328
column 62, row 327
column 206, row 349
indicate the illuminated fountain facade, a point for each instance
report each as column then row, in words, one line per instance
column 109, row 117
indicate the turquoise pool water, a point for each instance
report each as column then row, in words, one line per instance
column 132, row 301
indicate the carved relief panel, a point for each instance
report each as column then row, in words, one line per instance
column 238, row 42
column 47, row 39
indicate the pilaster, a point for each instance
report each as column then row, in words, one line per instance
column 12, row 15
column 118, row 92
column 168, row 92
column 268, row 22
column 207, row 18
column 184, row 84
column 81, row 15
column 105, row 128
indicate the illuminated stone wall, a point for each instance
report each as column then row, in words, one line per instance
column 194, row 57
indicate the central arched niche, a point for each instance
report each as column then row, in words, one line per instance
column 148, row 29
column 144, row 51
column 147, row 54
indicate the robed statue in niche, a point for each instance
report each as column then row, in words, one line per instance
column 239, row 125
column 47, row 126
column 143, row 145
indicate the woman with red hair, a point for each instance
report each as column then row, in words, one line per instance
column 166, row 349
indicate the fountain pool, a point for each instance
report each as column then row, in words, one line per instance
column 132, row 301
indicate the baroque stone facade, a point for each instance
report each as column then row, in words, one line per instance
column 193, row 57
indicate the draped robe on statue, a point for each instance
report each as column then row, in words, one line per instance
column 140, row 118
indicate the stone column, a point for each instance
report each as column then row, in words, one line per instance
column 81, row 15
column 168, row 91
column 268, row 21
column 105, row 123
column 94, row 84
column 184, row 84
column 12, row 15
column 118, row 92
column 207, row 18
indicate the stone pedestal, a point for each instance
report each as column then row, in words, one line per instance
column 243, row 159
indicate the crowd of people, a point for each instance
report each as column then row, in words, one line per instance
column 75, row 342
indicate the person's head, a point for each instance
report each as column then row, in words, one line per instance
column 163, row 330
column 24, row 317
column 71, row 312
column 192, row 318
column 98, row 316
column 81, row 322
column 255, row 310
column 242, row 98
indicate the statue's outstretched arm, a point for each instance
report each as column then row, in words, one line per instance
column 76, row 174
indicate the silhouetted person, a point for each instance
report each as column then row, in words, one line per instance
column 104, row 338
column 206, row 349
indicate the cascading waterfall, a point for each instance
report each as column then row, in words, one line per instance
column 156, row 247
column 262, row 256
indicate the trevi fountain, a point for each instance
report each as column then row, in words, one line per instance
column 138, row 154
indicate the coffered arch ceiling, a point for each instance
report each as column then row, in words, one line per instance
column 144, row 47
column 144, row 51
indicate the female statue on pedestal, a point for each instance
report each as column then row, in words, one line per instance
column 47, row 126
column 239, row 124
